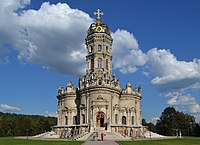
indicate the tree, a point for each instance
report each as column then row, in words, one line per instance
column 18, row 124
column 196, row 131
column 23, row 125
column 7, row 125
column 185, row 123
column 172, row 121
column 150, row 126
column 167, row 123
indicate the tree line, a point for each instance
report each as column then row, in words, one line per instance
column 169, row 123
column 22, row 125
column 172, row 122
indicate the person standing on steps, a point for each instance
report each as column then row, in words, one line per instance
column 102, row 135
column 97, row 134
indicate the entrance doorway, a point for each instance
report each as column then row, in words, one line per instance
column 100, row 119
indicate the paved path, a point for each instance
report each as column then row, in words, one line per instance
column 107, row 142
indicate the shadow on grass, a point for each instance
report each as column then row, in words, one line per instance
column 14, row 141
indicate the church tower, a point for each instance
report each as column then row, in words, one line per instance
column 98, row 87
column 99, row 60
column 99, row 45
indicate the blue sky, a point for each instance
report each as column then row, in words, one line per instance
column 156, row 44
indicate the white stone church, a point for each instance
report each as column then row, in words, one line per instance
column 99, row 102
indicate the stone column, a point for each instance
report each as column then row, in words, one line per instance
column 127, row 116
column 81, row 117
column 86, row 112
column 91, row 120
column 108, row 120
column 111, row 111
column 70, row 117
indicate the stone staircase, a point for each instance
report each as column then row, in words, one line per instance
column 108, row 136
column 50, row 134
column 115, row 136
column 150, row 134
column 82, row 137
column 64, row 135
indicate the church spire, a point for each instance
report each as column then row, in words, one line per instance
column 98, row 13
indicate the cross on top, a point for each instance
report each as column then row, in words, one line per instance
column 98, row 13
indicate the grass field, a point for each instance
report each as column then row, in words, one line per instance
column 182, row 141
column 14, row 141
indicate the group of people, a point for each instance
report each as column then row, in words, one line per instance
column 178, row 135
column 96, row 135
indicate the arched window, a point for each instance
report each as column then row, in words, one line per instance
column 91, row 48
column 92, row 63
column 83, row 118
column 132, row 120
column 99, row 63
column 99, row 48
column 107, row 64
column 74, row 120
column 116, row 119
column 124, row 120
column 66, row 120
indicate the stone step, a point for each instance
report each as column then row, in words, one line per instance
column 108, row 136
column 100, row 129
column 50, row 134
column 85, row 137
column 150, row 134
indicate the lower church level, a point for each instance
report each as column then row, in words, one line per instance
column 98, row 107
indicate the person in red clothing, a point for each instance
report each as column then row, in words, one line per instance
column 102, row 135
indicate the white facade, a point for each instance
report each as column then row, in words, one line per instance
column 99, row 102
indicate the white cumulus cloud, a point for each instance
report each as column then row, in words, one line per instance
column 126, row 53
column 169, row 73
column 180, row 98
column 52, row 36
column 183, row 101
column 175, row 78
column 7, row 108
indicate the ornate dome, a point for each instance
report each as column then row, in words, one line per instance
column 95, row 28
column 98, row 27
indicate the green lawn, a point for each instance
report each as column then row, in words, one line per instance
column 183, row 141
column 14, row 141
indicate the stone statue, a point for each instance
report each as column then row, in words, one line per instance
column 59, row 90
column 139, row 89
column 62, row 90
